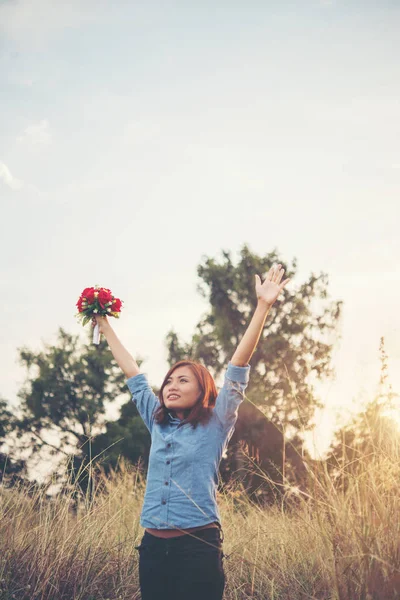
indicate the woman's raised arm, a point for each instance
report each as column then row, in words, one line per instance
column 267, row 293
column 125, row 360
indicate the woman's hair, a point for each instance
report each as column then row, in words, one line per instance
column 201, row 412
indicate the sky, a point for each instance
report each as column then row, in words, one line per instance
column 138, row 138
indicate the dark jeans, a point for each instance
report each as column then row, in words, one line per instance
column 182, row 568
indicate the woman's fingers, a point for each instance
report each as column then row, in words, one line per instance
column 275, row 273
column 285, row 282
column 280, row 275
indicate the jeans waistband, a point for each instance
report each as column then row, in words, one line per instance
column 209, row 532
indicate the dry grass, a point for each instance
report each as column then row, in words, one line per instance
column 338, row 542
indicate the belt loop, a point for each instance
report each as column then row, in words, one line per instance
column 220, row 531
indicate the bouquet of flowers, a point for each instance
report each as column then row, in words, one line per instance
column 97, row 301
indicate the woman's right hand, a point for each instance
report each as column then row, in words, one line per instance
column 102, row 322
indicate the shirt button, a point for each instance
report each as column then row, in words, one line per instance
column 166, row 483
column 164, row 502
column 168, row 461
column 168, row 445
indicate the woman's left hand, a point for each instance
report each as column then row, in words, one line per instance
column 271, row 288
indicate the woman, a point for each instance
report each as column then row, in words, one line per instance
column 180, row 555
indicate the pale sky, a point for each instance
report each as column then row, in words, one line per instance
column 137, row 138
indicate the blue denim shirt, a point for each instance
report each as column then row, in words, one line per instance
column 182, row 476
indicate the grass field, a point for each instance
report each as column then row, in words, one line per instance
column 337, row 541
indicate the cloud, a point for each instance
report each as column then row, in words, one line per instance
column 8, row 179
column 28, row 22
column 38, row 134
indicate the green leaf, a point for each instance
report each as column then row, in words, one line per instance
column 86, row 320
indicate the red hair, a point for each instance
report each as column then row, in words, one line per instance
column 202, row 410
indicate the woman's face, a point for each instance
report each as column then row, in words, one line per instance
column 182, row 390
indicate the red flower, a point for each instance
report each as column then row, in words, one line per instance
column 79, row 304
column 116, row 305
column 88, row 294
column 104, row 297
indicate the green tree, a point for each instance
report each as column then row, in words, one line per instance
column 64, row 399
column 11, row 469
column 126, row 438
column 295, row 347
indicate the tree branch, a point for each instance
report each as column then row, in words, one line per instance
column 48, row 443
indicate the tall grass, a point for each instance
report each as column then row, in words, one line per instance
column 337, row 539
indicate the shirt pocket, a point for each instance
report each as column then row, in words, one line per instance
column 192, row 437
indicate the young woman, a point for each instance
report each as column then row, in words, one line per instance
column 180, row 554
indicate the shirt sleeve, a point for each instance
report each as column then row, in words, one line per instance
column 231, row 394
column 144, row 398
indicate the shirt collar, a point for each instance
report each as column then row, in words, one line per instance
column 172, row 418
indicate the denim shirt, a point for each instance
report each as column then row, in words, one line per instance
column 182, row 476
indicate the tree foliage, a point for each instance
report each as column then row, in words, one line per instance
column 69, row 391
column 295, row 347
column 10, row 467
column 64, row 399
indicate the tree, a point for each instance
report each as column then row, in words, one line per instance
column 293, row 349
column 127, row 438
column 63, row 403
column 11, row 469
